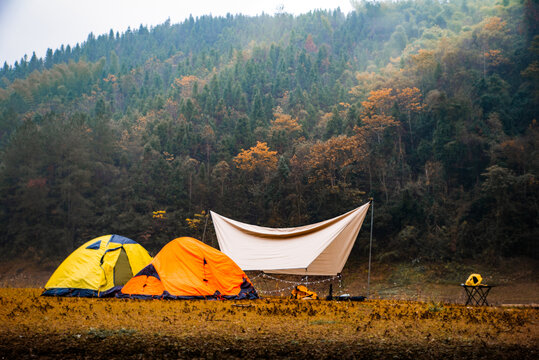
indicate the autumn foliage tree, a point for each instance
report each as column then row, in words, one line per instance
column 257, row 166
column 376, row 115
column 409, row 102
column 331, row 161
column 259, row 159
column 384, row 152
column 284, row 128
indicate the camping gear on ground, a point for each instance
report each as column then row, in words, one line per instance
column 317, row 249
column 98, row 268
column 189, row 269
column 347, row 297
column 343, row 297
column 474, row 280
column 301, row 292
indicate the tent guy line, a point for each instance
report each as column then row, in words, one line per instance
column 296, row 283
column 300, row 281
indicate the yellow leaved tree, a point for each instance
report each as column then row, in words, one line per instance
column 284, row 129
column 332, row 160
column 257, row 158
column 257, row 165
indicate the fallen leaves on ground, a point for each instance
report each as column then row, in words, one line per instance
column 268, row 328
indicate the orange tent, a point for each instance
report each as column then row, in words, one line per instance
column 189, row 269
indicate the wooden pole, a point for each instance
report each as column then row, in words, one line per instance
column 205, row 224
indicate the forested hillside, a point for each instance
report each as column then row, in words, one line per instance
column 428, row 107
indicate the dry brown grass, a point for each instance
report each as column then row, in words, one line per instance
column 267, row 328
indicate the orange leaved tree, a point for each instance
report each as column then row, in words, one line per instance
column 409, row 101
column 259, row 161
column 284, row 129
column 257, row 167
column 333, row 159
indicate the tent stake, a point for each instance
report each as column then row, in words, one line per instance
column 370, row 251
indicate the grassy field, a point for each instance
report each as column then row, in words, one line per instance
column 413, row 313
column 44, row 327
column 516, row 280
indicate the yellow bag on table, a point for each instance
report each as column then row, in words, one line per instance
column 474, row 280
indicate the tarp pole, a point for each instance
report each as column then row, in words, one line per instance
column 370, row 251
column 205, row 224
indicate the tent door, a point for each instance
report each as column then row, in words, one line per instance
column 122, row 269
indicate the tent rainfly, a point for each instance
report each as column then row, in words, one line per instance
column 316, row 249
column 98, row 268
column 189, row 269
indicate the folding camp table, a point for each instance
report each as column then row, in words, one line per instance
column 476, row 295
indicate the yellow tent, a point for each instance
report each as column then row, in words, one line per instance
column 98, row 268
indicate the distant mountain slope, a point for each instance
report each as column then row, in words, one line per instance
column 430, row 108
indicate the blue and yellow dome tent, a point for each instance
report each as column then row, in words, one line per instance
column 98, row 268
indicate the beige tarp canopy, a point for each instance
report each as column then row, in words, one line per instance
column 317, row 249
